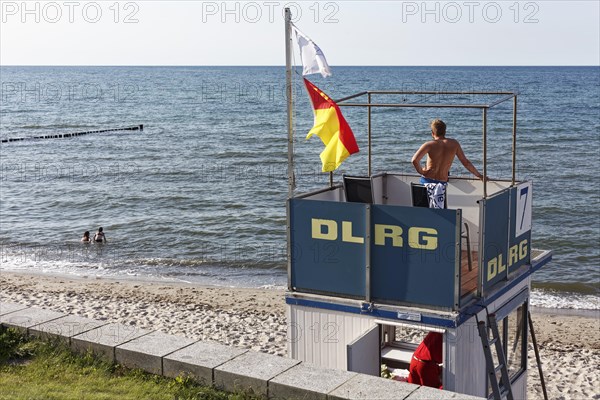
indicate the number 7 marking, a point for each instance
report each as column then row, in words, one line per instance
column 524, row 191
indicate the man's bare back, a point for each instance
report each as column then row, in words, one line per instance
column 440, row 154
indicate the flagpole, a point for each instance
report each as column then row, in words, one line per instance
column 288, row 90
column 290, row 109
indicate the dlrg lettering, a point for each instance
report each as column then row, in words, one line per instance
column 418, row 237
column 497, row 265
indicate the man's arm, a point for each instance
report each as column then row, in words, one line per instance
column 465, row 161
column 416, row 159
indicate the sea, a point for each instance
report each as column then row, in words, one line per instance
column 199, row 194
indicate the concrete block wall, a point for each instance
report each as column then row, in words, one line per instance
column 228, row 368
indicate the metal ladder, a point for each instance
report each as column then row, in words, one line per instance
column 501, row 389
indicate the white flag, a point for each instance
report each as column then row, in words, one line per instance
column 313, row 59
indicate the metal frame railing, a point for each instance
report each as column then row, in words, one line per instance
column 484, row 107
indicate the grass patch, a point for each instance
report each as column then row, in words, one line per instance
column 34, row 369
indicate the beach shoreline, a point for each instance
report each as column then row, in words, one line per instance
column 141, row 280
column 255, row 318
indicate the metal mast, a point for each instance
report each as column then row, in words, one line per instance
column 290, row 110
column 288, row 91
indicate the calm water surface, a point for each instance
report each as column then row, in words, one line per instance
column 199, row 195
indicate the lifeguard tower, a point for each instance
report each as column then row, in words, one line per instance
column 370, row 270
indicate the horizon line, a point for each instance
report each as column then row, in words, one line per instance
column 283, row 66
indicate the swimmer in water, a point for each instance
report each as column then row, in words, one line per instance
column 99, row 237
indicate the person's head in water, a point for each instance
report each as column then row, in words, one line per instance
column 438, row 128
column 86, row 237
column 100, row 229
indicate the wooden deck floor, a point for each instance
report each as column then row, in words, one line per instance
column 468, row 278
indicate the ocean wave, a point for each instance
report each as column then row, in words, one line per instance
column 564, row 300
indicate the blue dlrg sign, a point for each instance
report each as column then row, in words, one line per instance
column 334, row 242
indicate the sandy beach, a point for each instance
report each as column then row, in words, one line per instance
column 255, row 319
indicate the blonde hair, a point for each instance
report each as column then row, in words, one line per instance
column 438, row 127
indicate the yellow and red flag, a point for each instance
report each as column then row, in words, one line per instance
column 331, row 127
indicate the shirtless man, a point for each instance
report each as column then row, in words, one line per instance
column 440, row 155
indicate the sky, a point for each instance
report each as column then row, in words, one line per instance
column 157, row 32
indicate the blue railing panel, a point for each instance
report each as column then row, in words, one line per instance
column 327, row 253
column 413, row 252
column 413, row 255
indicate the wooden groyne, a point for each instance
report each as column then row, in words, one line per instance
column 74, row 134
